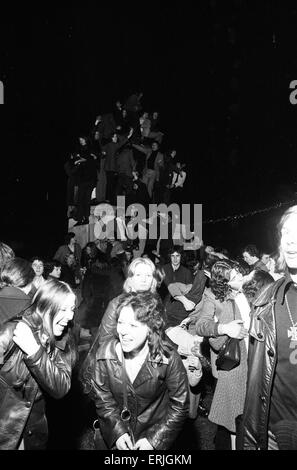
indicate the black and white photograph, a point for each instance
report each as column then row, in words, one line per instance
column 148, row 229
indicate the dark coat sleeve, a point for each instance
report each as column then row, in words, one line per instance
column 53, row 374
column 206, row 325
column 196, row 292
column 108, row 325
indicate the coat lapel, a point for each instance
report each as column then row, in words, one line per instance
column 143, row 375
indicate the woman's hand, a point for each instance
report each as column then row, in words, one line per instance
column 234, row 329
column 188, row 304
column 124, row 442
column 24, row 338
column 143, row 444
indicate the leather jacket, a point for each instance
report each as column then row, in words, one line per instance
column 261, row 368
column 157, row 399
column 27, row 378
column 108, row 326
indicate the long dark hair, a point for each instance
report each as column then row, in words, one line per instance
column 148, row 309
column 281, row 263
column 46, row 303
column 220, row 276
column 40, row 315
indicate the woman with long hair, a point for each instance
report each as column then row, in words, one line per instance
column 38, row 354
column 223, row 316
column 141, row 277
column 137, row 381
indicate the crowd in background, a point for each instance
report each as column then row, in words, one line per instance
column 122, row 155
column 203, row 297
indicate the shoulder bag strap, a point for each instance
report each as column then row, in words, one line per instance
column 233, row 308
column 8, row 354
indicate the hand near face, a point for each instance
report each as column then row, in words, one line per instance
column 124, row 442
column 24, row 338
column 143, row 444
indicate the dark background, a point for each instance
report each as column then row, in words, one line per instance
column 218, row 73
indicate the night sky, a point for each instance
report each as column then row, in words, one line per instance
column 219, row 75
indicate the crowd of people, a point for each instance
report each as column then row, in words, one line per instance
column 122, row 155
column 154, row 328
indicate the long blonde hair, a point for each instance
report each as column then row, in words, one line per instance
column 129, row 285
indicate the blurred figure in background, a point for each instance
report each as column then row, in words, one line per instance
column 16, row 279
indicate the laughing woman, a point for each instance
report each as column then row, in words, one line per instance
column 37, row 356
column 141, row 277
column 137, row 381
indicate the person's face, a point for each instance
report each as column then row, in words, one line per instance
column 175, row 259
column 103, row 246
column 142, row 278
column 70, row 260
column 236, row 279
column 82, row 141
column 133, row 334
column 97, row 135
column 38, row 267
column 64, row 315
column 155, row 115
column 56, row 272
column 289, row 241
column 124, row 113
column 155, row 146
column 173, row 154
column 248, row 258
column 88, row 250
column 114, row 138
column 265, row 259
column 128, row 255
column 72, row 241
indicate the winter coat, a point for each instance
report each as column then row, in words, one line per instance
column 108, row 325
column 261, row 367
column 28, row 378
column 229, row 395
column 157, row 399
column 12, row 302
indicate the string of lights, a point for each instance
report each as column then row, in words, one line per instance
column 230, row 218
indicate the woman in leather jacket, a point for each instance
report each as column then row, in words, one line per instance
column 37, row 356
column 138, row 382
